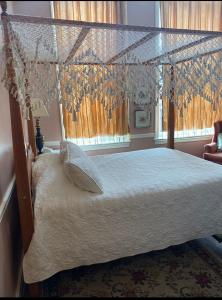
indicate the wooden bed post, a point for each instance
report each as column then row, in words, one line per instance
column 171, row 113
column 20, row 158
column 31, row 133
column 19, row 150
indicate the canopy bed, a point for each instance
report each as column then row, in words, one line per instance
column 37, row 53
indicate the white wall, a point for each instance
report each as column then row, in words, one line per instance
column 141, row 13
column 32, row 8
column 10, row 7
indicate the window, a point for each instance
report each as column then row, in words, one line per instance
column 197, row 120
column 188, row 126
column 93, row 125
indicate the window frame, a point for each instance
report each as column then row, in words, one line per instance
column 93, row 146
column 180, row 136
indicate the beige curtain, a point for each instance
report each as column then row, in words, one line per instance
column 92, row 119
column 200, row 15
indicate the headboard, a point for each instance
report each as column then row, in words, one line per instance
column 23, row 158
column 30, row 159
column 23, row 155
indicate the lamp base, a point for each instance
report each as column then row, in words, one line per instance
column 39, row 138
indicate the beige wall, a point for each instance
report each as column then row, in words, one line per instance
column 10, row 249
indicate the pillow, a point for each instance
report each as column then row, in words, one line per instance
column 43, row 161
column 219, row 141
column 69, row 151
column 83, row 173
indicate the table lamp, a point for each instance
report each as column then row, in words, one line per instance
column 39, row 110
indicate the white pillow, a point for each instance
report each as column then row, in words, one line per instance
column 69, row 151
column 43, row 161
column 83, row 173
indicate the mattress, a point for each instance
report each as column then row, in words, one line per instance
column 152, row 199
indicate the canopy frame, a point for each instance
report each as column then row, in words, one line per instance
column 152, row 32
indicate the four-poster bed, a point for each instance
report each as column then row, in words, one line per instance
column 36, row 49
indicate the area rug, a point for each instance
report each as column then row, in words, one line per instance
column 186, row 270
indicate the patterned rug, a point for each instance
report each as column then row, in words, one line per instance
column 187, row 270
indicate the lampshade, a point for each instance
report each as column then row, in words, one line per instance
column 38, row 108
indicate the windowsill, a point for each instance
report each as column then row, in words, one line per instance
column 105, row 146
column 56, row 144
column 159, row 141
column 126, row 144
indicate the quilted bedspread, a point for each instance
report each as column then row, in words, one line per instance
column 152, row 199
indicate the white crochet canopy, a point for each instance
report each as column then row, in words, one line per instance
column 110, row 63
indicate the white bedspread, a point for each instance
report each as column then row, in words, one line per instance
column 152, row 199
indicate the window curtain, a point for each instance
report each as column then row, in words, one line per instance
column 200, row 15
column 92, row 119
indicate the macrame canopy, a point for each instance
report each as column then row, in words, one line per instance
column 109, row 63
